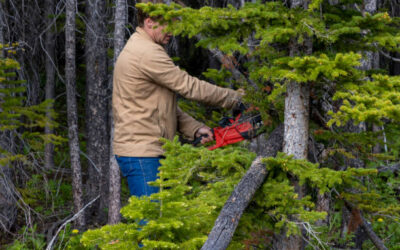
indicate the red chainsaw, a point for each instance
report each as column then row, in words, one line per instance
column 233, row 130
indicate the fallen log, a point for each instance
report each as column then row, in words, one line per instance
column 228, row 219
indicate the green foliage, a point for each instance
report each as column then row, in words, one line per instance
column 370, row 100
column 23, row 125
column 31, row 239
column 271, row 43
column 280, row 203
column 46, row 196
column 268, row 34
column 14, row 114
column 194, row 185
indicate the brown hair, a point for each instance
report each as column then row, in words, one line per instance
column 141, row 16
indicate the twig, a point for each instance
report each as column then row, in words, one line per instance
column 389, row 56
column 235, row 72
column 49, row 247
column 393, row 168
column 90, row 160
column 307, row 226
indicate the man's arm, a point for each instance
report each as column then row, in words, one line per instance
column 158, row 66
column 191, row 128
column 187, row 125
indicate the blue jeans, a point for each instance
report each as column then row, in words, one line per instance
column 139, row 171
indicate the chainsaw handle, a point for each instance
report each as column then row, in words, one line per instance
column 196, row 141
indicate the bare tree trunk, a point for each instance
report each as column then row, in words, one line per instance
column 50, row 78
column 115, row 179
column 97, row 130
column 295, row 140
column 371, row 61
column 70, row 79
column 296, row 120
column 395, row 11
column 2, row 26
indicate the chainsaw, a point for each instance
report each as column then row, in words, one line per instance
column 232, row 130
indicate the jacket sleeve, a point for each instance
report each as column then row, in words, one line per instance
column 187, row 125
column 158, row 66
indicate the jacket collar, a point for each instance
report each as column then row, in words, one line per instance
column 143, row 34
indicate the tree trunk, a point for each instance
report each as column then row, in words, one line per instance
column 2, row 26
column 97, row 130
column 295, row 140
column 70, row 78
column 395, row 12
column 295, row 143
column 115, row 179
column 50, row 78
column 371, row 60
column 296, row 120
column 228, row 219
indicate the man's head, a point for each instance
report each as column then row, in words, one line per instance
column 153, row 26
column 156, row 31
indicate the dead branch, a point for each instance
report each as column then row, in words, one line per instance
column 365, row 225
column 74, row 217
column 228, row 219
column 394, row 168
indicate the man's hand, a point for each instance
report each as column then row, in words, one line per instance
column 208, row 135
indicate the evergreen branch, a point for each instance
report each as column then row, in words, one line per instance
column 221, row 58
column 237, row 75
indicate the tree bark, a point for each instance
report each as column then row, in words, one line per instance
column 2, row 26
column 371, row 60
column 295, row 142
column 50, row 78
column 70, row 79
column 114, row 204
column 228, row 219
column 296, row 122
column 97, row 130
column 395, row 12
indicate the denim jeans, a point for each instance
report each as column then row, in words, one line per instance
column 139, row 171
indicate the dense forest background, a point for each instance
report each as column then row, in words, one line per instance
column 324, row 75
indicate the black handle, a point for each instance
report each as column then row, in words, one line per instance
column 198, row 139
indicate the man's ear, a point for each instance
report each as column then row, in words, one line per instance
column 149, row 23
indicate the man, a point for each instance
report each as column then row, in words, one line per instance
column 145, row 107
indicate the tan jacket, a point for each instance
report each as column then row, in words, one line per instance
column 144, row 100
